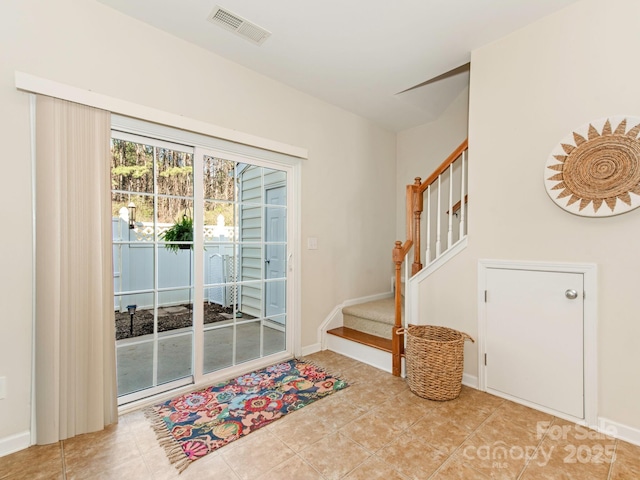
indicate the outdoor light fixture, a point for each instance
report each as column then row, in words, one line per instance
column 132, row 216
column 132, row 310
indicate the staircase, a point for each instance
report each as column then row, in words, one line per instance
column 370, row 331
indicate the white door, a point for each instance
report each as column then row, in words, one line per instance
column 275, row 253
column 535, row 338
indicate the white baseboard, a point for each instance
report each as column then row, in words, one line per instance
column 618, row 430
column 470, row 380
column 368, row 298
column 309, row 349
column 15, row 443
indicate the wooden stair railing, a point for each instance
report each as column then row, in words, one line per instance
column 414, row 209
column 458, row 205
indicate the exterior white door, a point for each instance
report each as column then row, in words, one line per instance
column 275, row 253
column 535, row 338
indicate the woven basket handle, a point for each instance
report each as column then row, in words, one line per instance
column 466, row 336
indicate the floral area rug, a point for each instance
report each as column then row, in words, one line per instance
column 197, row 423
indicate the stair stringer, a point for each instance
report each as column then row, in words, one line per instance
column 411, row 299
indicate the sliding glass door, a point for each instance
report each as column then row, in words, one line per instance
column 200, row 262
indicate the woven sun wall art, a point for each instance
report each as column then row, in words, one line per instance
column 595, row 171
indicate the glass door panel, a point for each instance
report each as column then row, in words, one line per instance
column 174, row 356
column 218, row 347
column 220, row 259
column 250, row 233
column 273, row 335
column 135, row 367
column 152, row 196
column 134, row 331
column 248, row 341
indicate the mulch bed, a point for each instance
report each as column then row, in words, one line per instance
column 170, row 318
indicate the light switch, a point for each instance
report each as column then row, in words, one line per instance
column 312, row 243
column 3, row 387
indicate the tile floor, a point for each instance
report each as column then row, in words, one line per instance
column 375, row 429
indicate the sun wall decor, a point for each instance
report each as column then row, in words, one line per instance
column 595, row 171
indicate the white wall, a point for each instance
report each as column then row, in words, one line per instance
column 527, row 91
column 87, row 45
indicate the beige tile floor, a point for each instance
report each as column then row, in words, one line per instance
column 375, row 429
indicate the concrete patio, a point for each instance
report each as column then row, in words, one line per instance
column 135, row 355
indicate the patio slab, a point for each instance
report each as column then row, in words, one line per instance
column 135, row 355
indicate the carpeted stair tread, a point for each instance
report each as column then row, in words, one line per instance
column 377, row 310
column 375, row 318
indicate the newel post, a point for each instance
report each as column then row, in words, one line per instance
column 397, row 342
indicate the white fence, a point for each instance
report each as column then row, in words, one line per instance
column 133, row 266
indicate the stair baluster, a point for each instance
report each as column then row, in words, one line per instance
column 450, row 225
column 463, row 205
column 427, row 253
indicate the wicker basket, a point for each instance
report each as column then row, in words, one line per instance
column 434, row 360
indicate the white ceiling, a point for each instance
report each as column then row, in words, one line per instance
column 356, row 54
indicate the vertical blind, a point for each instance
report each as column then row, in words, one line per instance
column 75, row 377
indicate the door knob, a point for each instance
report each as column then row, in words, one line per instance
column 571, row 294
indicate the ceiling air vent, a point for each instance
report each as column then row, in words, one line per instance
column 238, row 25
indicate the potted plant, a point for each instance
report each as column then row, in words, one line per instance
column 181, row 231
